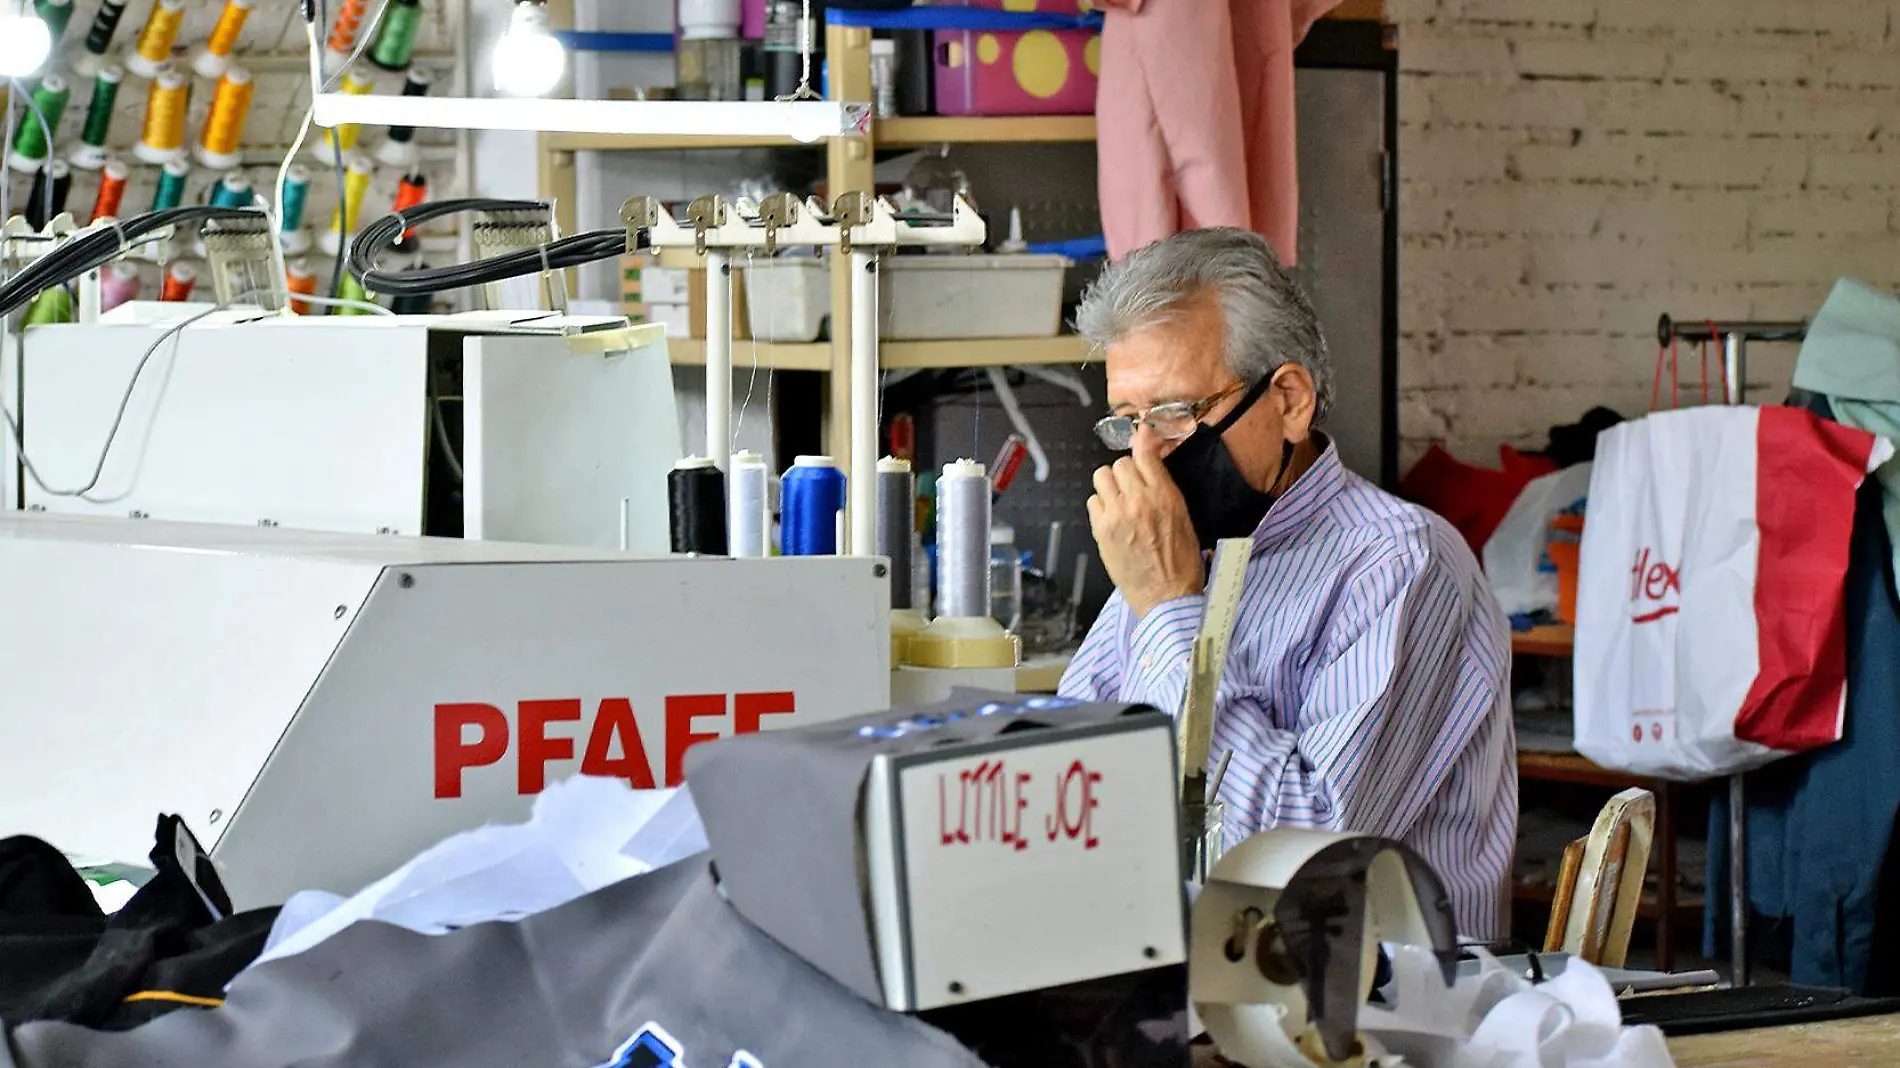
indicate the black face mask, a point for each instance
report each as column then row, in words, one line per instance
column 1221, row 503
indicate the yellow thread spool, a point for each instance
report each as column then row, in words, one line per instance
column 154, row 47
column 224, row 127
column 214, row 58
column 163, row 139
column 343, row 217
column 342, row 139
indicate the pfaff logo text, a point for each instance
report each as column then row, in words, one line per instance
column 478, row 735
column 1655, row 588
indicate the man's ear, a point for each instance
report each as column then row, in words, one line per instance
column 1293, row 392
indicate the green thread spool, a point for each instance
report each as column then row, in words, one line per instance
column 56, row 14
column 171, row 185
column 105, row 93
column 30, row 144
column 351, row 289
column 396, row 41
column 53, row 305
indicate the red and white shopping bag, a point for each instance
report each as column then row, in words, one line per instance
column 1710, row 629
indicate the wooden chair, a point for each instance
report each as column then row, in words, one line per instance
column 1600, row 883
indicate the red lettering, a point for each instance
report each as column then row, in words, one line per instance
column 1636, row 574
column 1016, row 827
column 616, row 719
column 1083, row 825
column 944, row 837
column 452, row 754
column 749, row 708
column 681, row 711
column 534, row 748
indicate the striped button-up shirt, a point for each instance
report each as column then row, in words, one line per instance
column 1367, row 686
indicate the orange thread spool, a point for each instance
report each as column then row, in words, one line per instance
column 224, row 128
column 414, row 187
column 179, row 279
column 224, row 36
column 155, row 41
column 300, row 281
column 111, row 190
column 349, row 19
column 164, row 134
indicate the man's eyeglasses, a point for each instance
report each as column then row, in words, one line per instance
column 1172, row 421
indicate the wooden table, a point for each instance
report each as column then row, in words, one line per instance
column 1866, row 1042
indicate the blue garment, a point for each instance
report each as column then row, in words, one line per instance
column 1819, row 823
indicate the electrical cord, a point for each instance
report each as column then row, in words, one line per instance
column 98, row 246
column 382, row 235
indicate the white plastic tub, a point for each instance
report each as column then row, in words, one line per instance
column 787, row 299
column 932, row 297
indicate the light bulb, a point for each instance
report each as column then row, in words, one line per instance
column 25, row 42
column 528, row 60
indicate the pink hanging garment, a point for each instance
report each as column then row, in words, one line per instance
column 1195, row 118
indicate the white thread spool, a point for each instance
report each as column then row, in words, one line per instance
column 963, row 540
column 747, row 519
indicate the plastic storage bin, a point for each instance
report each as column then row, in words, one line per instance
column 924, row 298
column 787, row 299
column 1038, row 72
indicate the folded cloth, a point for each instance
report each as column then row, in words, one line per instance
column 650, row 966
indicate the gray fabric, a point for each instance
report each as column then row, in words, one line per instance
column 562, row 989
column 781, row 811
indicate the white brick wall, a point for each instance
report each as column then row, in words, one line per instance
column 1570, row 169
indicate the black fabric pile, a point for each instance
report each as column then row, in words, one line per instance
column 173, row 946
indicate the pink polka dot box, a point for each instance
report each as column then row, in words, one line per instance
column 1039, row 72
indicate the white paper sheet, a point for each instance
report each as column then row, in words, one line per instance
column 585, row 833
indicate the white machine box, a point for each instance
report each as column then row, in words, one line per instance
column 320, row 707
column 486, row 425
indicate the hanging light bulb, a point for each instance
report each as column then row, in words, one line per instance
column 528, row 60
column 25, row 42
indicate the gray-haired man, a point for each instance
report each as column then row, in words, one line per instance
column 1367, row 688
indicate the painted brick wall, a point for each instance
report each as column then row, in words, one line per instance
column 1573, row 168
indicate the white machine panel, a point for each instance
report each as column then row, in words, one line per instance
column 328, row 424
column 536, row 465
column 990, row 845
column 300, row 424
column 320, row 707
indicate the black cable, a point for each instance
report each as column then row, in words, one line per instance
column 95, row 248
column 382, row 235
column 342, row 219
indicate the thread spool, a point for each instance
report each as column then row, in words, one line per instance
column 111, row 190
column 963, row 540
column 348, row 288
column 812, row 494
column 42, row 208
column 118, row 283
column 896, row 523
column 349, row 19
column 295, row 238
column 349, row 207
column 232, row 191
column 413, row 303
column 179, row 280
column 300, row 281
column 213, row 59
column 413, row 190
column 31, row 143
column 90, row 154
column 747, row 520
column 696, row 506
column 56, row 14
column 170, row 190
column 399, row 150
column 224, row 127
column 153, row 51
column 341, row 139
column 53, row 305
column 163, row 137
column 396, row 39
column 105, row 23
